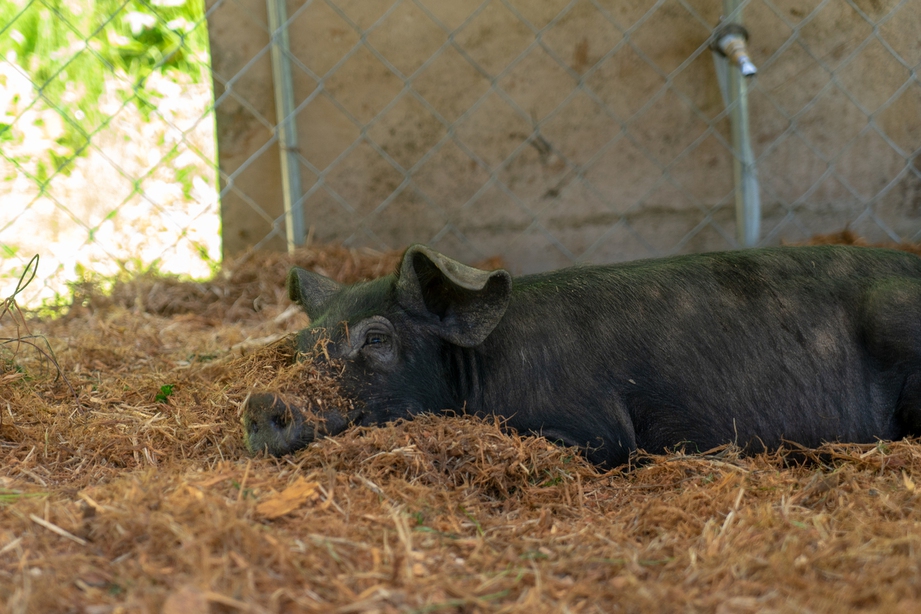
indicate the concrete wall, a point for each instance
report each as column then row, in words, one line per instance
column 602, row 138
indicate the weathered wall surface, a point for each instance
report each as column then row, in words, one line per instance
column 548, row 132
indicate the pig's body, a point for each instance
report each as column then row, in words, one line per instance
column 752, row 347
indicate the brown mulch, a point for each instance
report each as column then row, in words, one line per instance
column 849, row 237
column 245, row 286
column 125, row 487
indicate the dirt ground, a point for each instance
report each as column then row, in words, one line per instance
column 125, row 487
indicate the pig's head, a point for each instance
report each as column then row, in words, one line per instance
column 389, row 341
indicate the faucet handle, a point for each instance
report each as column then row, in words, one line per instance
column 730, row 40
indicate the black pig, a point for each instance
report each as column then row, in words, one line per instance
column 805, row 344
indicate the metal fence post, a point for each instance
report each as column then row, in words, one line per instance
column 729, row 40
column 286, row 128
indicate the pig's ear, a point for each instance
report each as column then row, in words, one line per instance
column 310, row 290
column 461, row 304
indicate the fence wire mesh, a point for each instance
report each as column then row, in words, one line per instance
column 107, row 150
column 868, row 165
column 593, row 130
column 548, row 132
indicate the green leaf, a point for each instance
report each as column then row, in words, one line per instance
column 165, row 391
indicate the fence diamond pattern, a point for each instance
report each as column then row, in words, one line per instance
column 107, row 154
column 555, row 132
column 547, row 132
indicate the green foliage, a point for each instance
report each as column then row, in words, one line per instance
column 72, row 49
column 165, row 391
column 12, row 496
column 8, row 251
column 78, row 38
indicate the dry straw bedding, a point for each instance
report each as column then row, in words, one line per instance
column 112, row 500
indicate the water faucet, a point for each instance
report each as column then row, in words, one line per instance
column 730, row 41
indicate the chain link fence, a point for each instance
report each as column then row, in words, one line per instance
column 573, row 130
column 547, row 132
column 107, row 148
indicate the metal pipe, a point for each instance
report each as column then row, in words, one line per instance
column 733, row 67
column 285, row 127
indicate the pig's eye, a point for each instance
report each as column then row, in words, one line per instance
column 377, row 340
column 374, row 339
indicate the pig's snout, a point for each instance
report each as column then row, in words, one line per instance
column 272, row 425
